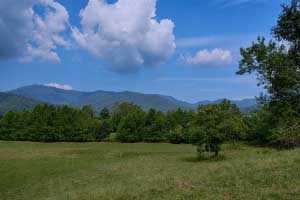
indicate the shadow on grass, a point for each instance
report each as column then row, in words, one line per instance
column 205, row 159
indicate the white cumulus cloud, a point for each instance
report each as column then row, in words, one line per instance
column 59, row 86
column 46, row 32
column 28, row 34
column 205, row 58
column 125, row 34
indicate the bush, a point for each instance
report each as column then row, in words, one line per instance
column 207, row 140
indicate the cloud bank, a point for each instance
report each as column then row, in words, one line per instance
column 125, row 34
column 27, row 34
column 59, row 86
column 205, row 58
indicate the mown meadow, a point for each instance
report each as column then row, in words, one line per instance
column 145, row 171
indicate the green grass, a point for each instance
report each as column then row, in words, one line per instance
column 144, row 171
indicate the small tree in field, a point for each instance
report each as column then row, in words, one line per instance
column 215, row 124
column 207, row 140
column 206, row 136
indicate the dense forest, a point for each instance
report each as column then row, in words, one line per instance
column 276, row 64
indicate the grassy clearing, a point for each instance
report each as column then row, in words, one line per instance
column 144, row 171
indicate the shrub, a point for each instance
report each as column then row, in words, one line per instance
column 207, row 140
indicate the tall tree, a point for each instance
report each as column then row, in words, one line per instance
column 277, row 66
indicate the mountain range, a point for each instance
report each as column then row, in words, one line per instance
column 29, row 96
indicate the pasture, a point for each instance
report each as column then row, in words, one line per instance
column 114, row 171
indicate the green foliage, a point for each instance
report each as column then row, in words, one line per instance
column 215, row 124
column 88, row 111
column 104, row 113
column 288, row 28
column 121, row 111
column 128, row 123
column 260, row 125
column 112, row 137
column 176, row 135
column 178, row 124
column 155, row 126
column 131, row 127
column 277, row 67
column 104, row 130
column 208, row 140
column 286, row 134
column 231, row 122
column 49, row 123
column 207, row 137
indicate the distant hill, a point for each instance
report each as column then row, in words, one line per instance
column 100, row 99
column 16, row 103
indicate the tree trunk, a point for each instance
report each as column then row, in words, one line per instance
column 216, row 153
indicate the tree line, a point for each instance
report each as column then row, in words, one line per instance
column 210, row 124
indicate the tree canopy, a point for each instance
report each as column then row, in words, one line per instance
column 277, row 66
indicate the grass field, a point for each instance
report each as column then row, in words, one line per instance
column 144, row 171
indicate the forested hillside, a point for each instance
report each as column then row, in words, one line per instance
column 11, row 102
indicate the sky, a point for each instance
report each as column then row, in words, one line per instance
column 188, row 49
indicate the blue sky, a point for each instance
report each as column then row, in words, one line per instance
column 207, row 35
